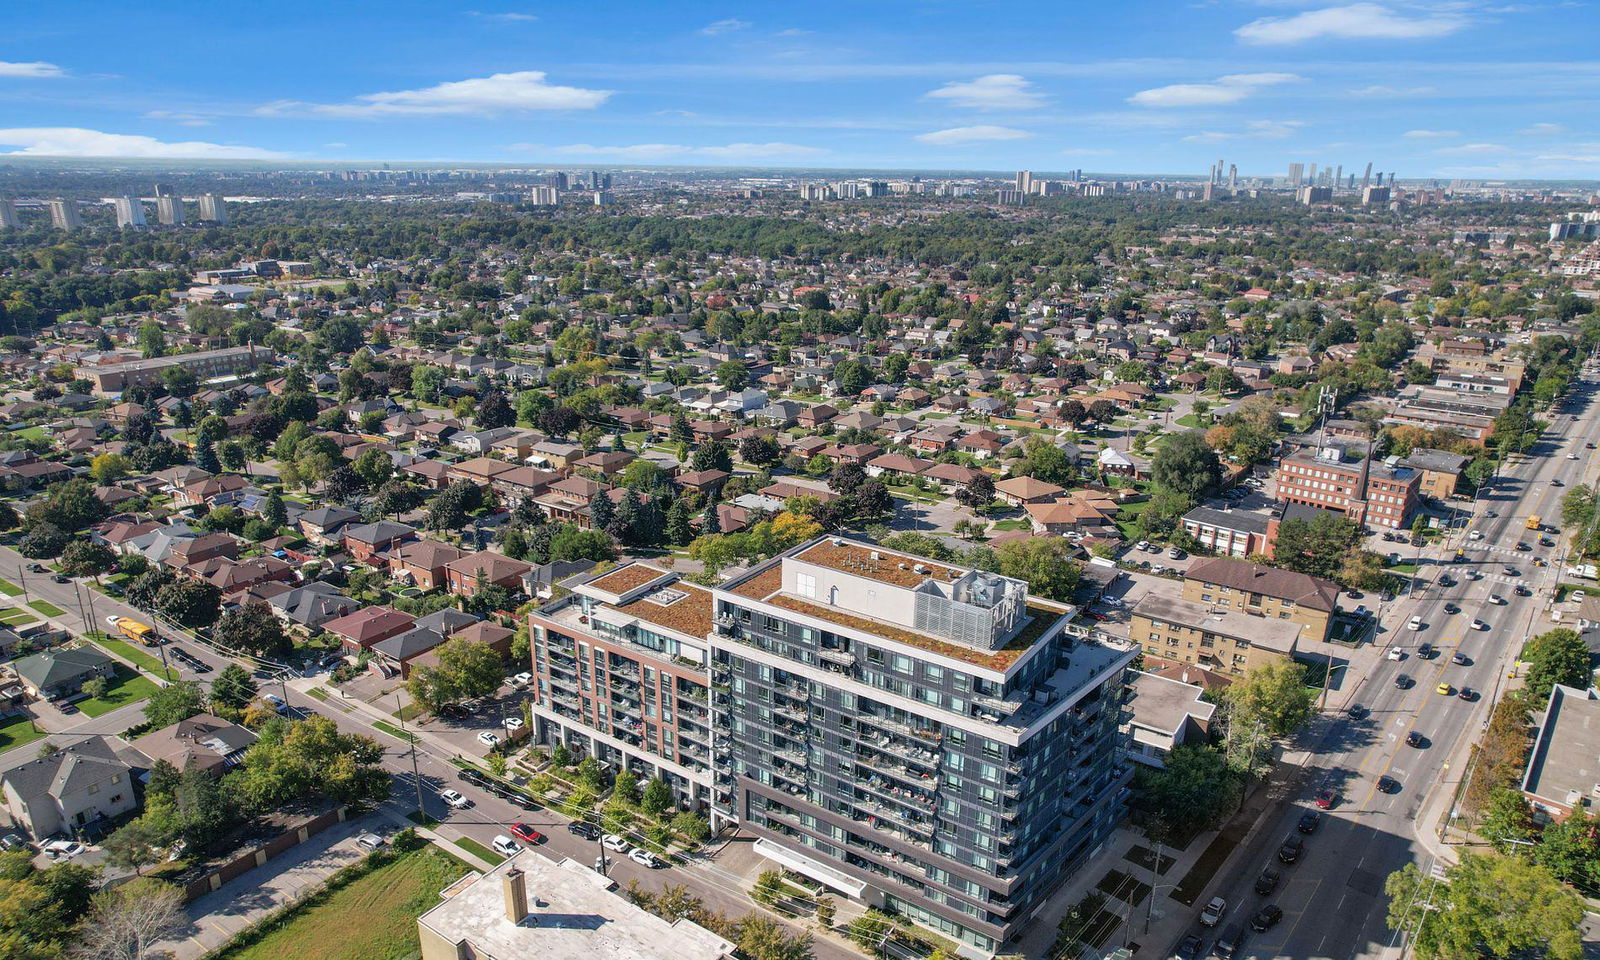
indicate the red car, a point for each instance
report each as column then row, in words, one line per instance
column 1327, row 798
column 526, row 833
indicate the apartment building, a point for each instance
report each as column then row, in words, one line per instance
column 112, row 378
column 1226, row 584
column 1171, row 626
column 1371, row 493
column 921, row 737
column 620, row 673
column 1237, row 533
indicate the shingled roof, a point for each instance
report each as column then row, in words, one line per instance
column 1303, row 589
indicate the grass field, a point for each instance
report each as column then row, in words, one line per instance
column 128, row 687
column 12, row 617
column 127, row 651
column 478, row 850
column 371, row 918
column 1190, row 420
column 10, row 589
column 16, row 731
column 47, row 608
column 393, row 730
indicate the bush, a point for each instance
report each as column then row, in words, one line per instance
column 769, row 886
column 826, row 910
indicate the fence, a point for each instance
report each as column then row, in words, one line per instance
column 259, row 853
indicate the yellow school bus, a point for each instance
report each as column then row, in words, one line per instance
column 141, row 632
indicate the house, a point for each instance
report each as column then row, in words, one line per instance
column 363, row 540
column 1440, row 469
column 311, row 605
column 61, row 674
column 951, row 476
column 362, row 628
column 202, row 742
column 207, row 546
column 1114, row 461
column 80, row 787
column 218, row 491
column 703, row 481
column 467, row 575
column 399, row 650
column 1017, row 491
column 1163, row 713
column 423, row 561
column 321, row 525
column 892, row 466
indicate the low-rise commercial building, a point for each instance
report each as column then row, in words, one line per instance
column 113, row 378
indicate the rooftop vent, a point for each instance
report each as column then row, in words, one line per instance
column 876, row 555
column 666, row 596
column 919, row 568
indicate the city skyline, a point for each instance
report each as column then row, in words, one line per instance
column 1450, row 90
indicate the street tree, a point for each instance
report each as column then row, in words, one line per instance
column 234, row 687
column 1556, row 656
column 1186, row 464
column 126, row 921
column 174, row 702
column 1487, row 906
column 1273, row 698
column 253, row 628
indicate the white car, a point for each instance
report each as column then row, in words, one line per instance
column 1395, row 653
column 454, row 800
column 113, row 619
column 1213, row 912
column 505, row 846
column 1497, row 600
column 615, row 843
column 63, row 849
column 643, row 857
column 370, row 841
column 523, row 679
column 1576, row 596
column 488, row 739
column 1475, row 535
column 513, row 723
column 1143, row 545
column 1572, row 456
column 1479, row 625
column 1415, row 623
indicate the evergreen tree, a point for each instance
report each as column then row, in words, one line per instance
column 711, row 523
column 206, row 458
column 601, row 511
column 679, row 529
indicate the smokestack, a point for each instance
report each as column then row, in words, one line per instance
column 515, row 887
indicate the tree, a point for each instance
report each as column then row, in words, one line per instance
column 657, row 797
column 761, row 938
column 8, row 516
column 1184, row 463
column 733, row 375
column 191, row 603
column 137, row 844
column 712, row 456
column 760, row 450
column 977, row 492
column 1507, row 821
column 1570, row 849
column 108, row 468
column 126, row 921
column 475, row 669
column 1273, row 697
column 1044, row 563
column 273, row 510
column 1195, row 790
column 1317, row 546
column 1043, row 460
column 85, row 558
column 234, row 687
column 253, row 628
column 1557, row 656
column 1487, row 906
column 206, row 458
column 494, row 410
column 174, row 702
column 1501, row 756
column 44, row 540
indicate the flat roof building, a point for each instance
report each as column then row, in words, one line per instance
column 529, row 907
column 109, row 378
column 1563, row 772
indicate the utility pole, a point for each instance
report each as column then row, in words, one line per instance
column 416, row 773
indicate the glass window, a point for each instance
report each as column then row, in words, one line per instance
column 805, row 584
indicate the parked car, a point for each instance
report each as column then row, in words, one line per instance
column 1292, row 847
column 1266, row 918
column 513, row 723
column 1227, row 945
column 1189, row 948
column 1212, row 914
column 370, row 841
column 613, row 842
column 63, row 849
column 526, row 833
column 14, row 841
column 643, row 857
column 505, row 846
column 587, row 831
column 1309, row 822
column 488, row 739
column 523, row 679
column 1267, row 882
column 454, row 799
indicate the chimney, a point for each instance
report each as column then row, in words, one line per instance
column 515, row 887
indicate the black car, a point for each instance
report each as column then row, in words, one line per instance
column 1521, row 591
column 473, row 777
column 1309, row 822
column 1388, row 784
column 1189, row 948
column 1447, row 581
column 1292, row 847
column 1358, row 712
column 1403, row 681
column 1467, row 694
column 587, row 831
column 1267, row 882
column 1452, row 608
column 1425, row 651
column 452, row 711
column 1266, row 918
column 58, row 578
column 1522, row 547
column 1415, row 739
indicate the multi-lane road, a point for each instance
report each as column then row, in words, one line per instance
column 1332, row 898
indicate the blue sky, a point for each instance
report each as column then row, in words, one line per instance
column 1455, row 88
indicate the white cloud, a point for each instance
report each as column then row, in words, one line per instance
column 1356, row 21
column 725, row 26
column 1393, row 93
column 996, row 91
column 79, row 142
column 1542, row 130
column 503, row 17
column 1087, row 152
column 1569, row 157
column 658, row 152
column 496, row 93
column 1224, row 90
column 179, row 117
column 982, row 133
column 336, row 145
column 1430, row 134
column 1254, row 130
column 1474, row 150
column 35, row 69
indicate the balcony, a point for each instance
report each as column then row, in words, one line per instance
column 796, row 757
column 843, row 658
column 882, row 787
column 896, row 726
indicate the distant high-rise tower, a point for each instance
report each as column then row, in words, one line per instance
column 169, row 209
column 1218, row 178
column 1233, row 176
column 594, row 179
column 163, row 190
column 1338, row 176
column 64, row 215
column 130, row 211
column 213, row 209
column 1311, row 175
column 1024, row 181
column 1366, row 178
column 1296, row 172
column 8, row 215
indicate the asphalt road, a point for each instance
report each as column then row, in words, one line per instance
column 1332, row 898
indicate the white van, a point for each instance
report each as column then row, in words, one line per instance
column 505, row 846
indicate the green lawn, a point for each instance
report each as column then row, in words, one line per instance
column 47, row 608
column 1006, row 526
column 121, row 648
column 1189, row 420
column 16, row 731
column 393, row 731
column 128, row 687
column 1126, row 516
column 370, row 918
column 479, row 850
column 10, row 589
column 11, row 617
